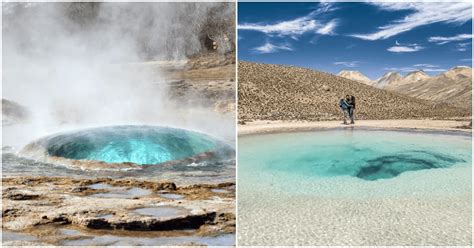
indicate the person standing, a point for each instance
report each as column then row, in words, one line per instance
column 344, row 105
column 352, row 105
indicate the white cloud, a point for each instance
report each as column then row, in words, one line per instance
column 404, row 48
column 443, row 40
column 432, row 69
column 347, row 63
column 271, row 48
column 462, row 47
column 424, row 13
column 296, row 27
column 402, row 69
column 422, row 67
column 425, row 65
column 328, row 28
column 428, row 67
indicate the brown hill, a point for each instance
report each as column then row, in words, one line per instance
column 453, row 87
column 274, row 92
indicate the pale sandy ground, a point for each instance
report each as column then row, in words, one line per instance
column 258, row 127
column 321, row 221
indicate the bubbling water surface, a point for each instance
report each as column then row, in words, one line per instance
column 141, row 145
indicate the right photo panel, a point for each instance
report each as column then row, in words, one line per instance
column 354, row 123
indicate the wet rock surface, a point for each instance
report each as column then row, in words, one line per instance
column 39, row 207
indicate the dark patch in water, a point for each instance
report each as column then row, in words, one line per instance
column 390, row 166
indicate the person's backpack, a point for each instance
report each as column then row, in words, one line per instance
column 343, row 104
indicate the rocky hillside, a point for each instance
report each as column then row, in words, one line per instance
column 274, row 92
column 453, row 87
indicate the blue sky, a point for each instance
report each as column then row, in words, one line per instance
column 373, row 38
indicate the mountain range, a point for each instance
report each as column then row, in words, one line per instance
column 453, row 86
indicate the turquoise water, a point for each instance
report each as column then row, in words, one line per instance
column 354, row 187
column 362, row 154
column 141, row 145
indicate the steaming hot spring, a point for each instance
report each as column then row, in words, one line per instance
column 127, row 147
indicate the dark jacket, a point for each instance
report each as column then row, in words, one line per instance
column 353, row 101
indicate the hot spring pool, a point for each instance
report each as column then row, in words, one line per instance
column 354, row 187
column 134, row 150
column 130, row 144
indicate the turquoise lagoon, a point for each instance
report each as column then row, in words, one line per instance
column 317, row 162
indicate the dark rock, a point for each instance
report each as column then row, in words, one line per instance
column 21, row 196
column 180, row 223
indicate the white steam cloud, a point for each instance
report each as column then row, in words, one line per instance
column 70, row 63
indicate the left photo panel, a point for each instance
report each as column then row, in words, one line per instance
column 118, row 124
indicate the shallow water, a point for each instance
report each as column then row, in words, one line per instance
column 16, row 236
column 221, row 240
column 354, row 187
column 162, row 211
column 118, row 192
column 361, row 157
column 172, row 196
column 105, row 216
column 368, row 155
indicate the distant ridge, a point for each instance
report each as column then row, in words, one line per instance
column 356, row 76
column 452, row 87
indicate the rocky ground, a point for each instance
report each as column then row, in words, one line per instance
column 206, row 80
column 210, row 77
column 54, row 210
column 274, row 92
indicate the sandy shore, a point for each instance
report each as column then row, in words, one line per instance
column 260, row 126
